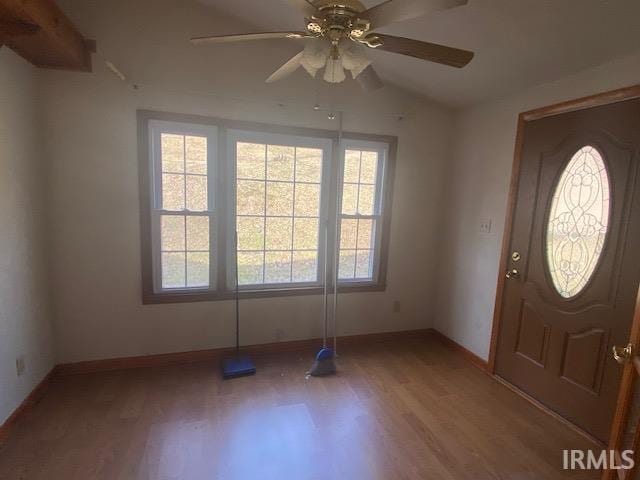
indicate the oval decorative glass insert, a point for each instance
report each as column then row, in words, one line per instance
column 578, row 222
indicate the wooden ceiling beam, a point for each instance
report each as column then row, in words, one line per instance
column 16, row 28
column 41, row 33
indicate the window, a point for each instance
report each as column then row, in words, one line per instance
column 275, row 191
column 578, row 222
column 361, row 210
column 183, row 206
column 279, row 207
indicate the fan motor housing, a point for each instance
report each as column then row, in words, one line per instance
column 338, row 19
column 349, row 5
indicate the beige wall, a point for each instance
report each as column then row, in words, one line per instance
column 477, row 188
column 25, row 328
column 91, row 142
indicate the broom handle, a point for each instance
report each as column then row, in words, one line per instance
column 237, row 301
column 336, row 245
column 326, row 287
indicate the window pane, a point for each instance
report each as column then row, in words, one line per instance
column 173, row 270
column 197, row 269
column 349, row 199
column 351, row 166
column 288, row 199
column 277, row 267
column 308, row 165
column 348, row 232
column 198, row 233
column 172, row 147
column 279, row 198
column 278, row 234
column 172, row 233
column 369, row 167
column 172, row 191
column 249, row 268
column 305, row 266
column 196, row 193
column 280, row 162
column 196, row 151
column 365, row 234
column 250, row 233
column 307, row 200
column 363, row 264
column 347, row 264
column 250, row 160
column 250, row 197
column 305, row 234
column 365, row 202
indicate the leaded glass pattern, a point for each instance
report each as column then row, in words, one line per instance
column 578, row 222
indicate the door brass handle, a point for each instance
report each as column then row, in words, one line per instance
column 622, row 354
column 512, row 273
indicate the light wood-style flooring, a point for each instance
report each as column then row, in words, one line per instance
column 403, row 409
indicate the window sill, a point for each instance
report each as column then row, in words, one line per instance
column 188, row 297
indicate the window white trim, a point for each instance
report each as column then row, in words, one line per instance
column 156, row 129
column 235, row 136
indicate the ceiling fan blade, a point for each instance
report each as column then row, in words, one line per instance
column 393, row 11
column 286, row 69
column 305, row 6
column 243, row 37
column 369, row 80
column 432, row 52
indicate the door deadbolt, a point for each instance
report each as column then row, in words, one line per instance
column 515, row 256
column 512, row 273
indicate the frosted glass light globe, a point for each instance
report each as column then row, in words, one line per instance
column 354, row 60
column 315, row 54
column 334, row 71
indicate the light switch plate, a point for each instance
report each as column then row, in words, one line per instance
column 20, row 365
column 485, row 225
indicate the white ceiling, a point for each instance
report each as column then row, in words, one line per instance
column 518, row 43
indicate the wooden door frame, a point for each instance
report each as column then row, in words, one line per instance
column 626, row 387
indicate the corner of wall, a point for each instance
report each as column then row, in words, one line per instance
column 26, row 347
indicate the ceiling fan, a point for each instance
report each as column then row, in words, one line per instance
column 338, row 32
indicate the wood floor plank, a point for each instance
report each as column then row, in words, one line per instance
column 401, row 409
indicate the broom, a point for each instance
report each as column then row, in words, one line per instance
column 324, row 363
column 238, row 365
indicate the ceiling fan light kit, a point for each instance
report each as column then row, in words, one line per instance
column 338, row 31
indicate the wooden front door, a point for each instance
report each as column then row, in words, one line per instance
column 573, row 263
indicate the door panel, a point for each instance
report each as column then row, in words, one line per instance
column 583, row 358
column 554, row 345
column 533, row 337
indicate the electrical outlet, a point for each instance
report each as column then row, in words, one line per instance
column 280, row 335
column 396, row 306
column 20, row 365
column 485, row 225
